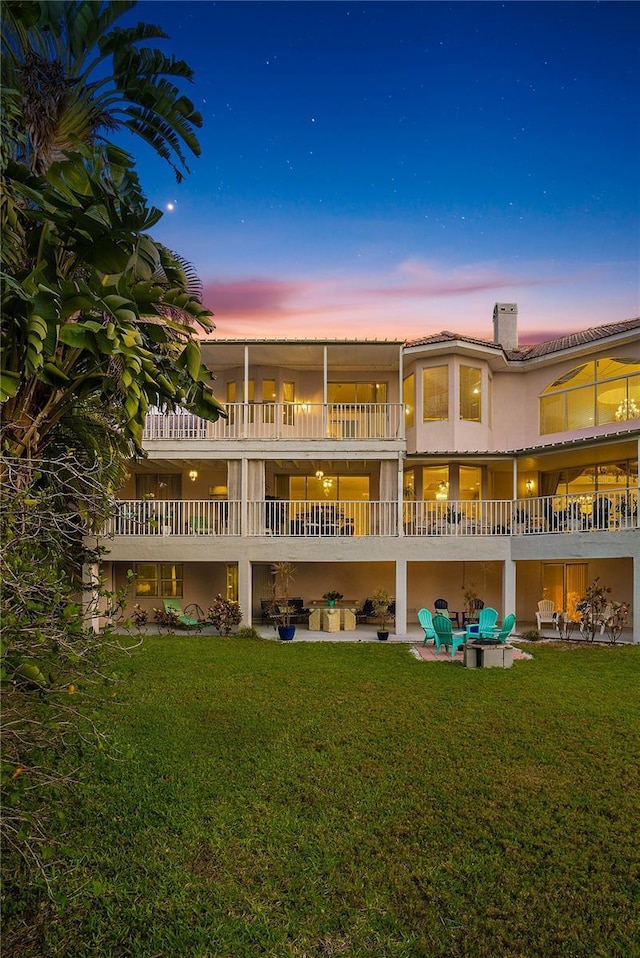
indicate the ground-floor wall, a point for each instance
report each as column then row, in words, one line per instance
column 506, row 585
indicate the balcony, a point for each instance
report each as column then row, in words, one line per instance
column 299, row 421
column 321, row 519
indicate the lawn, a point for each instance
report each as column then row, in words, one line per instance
column 306, row 800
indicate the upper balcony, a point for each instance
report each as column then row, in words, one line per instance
column 321, row 519
column 275, row 420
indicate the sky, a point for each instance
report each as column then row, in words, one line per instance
column 393, row 169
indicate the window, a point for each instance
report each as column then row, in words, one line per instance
column 594, row 393
column 158, row 485
column 470, row 393
column 231, row 399
column 351, row 393
column 435, row 393
column 146, row 578
column 289, row 398
column 435, row 483
column 269, row 400
column 564, row 583
column 251, row 395
column 163, row 579
column 470, row 479
column 408, row 398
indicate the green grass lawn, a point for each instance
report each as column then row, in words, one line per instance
column 315, row 799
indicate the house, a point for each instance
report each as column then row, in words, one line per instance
column 433, row 468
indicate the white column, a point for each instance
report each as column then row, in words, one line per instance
column 636, row 588
column 401, row 597
column 90, row 597
column 636, row 600
column 244, row 489
column 244, row 591
column 403, row 418
column 400, row 488
column 508, row 587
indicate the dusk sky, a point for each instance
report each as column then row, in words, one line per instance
column 393, row 169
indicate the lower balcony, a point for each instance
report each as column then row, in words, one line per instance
column 319, row 518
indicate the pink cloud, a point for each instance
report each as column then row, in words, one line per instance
column 413, row 299
column 252, row 296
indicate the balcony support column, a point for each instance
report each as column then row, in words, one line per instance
column 91, row 596
column 400, row 492
column 508, row 587
column 401, row 597
column 244, row 496
column 244, row 591
column 636, row 600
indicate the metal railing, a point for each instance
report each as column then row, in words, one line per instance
column 343, row 421
column 314, row 519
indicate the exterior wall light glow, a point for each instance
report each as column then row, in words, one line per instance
column 193, row 474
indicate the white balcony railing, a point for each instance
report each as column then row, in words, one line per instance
column 321, row 519
column 348, row 421
column 175, row 517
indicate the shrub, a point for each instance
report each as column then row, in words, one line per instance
column 247, row 633
column 224, row 614
column 139, row 616
column 532, row 635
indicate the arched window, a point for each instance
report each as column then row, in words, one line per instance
column 593, row 394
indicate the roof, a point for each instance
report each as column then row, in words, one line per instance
column 581, row 338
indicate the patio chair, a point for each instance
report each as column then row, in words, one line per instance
column 445, row 636
column 484, row 627
column 442, row 608
column 505, row 629
column 546, row 613
column 198, row 526
column 172, row 607
column 470, row 616
column 426, row 621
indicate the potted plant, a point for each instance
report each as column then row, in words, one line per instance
column 381, row 603
column 281, row 609
column 332, row 597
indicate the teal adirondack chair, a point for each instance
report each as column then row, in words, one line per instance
column 445, row 636
column 426, row 621
column 485, row 627
column 505, row 629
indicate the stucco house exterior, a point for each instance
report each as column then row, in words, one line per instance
column 441, row 467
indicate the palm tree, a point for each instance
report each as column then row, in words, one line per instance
column 79, row 75
column 96, row 314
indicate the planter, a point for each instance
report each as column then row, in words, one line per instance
column 286, row 632
column 383, row 636
column 331, row 603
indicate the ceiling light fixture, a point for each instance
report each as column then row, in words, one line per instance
column 628, row 409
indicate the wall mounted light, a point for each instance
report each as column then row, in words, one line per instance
column 529, row 486
column 193, row 474
column 319, row 475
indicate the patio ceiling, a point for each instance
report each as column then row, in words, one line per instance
column 221, row 355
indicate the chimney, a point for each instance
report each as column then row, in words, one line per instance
column 505, row 325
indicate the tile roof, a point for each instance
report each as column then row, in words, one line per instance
column 581, row 338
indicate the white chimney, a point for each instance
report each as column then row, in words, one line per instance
column 505, row 325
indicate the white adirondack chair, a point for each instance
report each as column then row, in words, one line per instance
column 545, row 613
